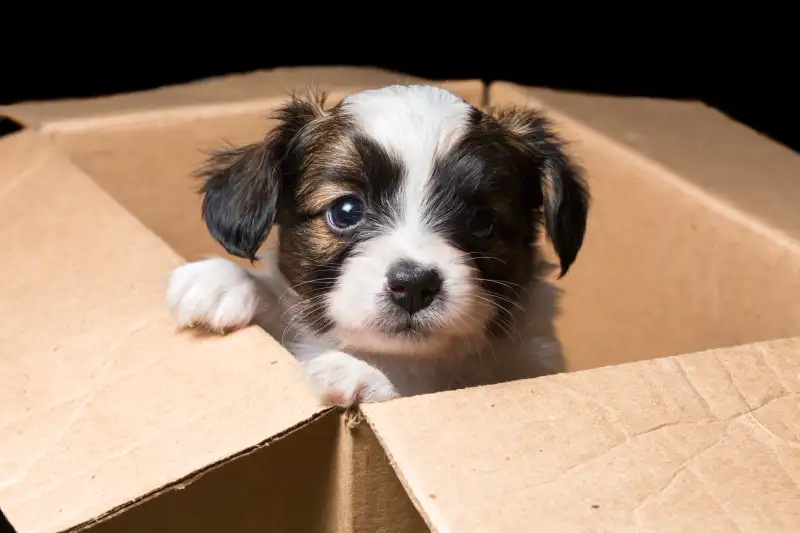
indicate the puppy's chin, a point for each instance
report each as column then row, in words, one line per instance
column 410, row 342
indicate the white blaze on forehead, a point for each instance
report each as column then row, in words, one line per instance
column 415, row 123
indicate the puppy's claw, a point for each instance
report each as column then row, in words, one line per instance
column 215, row 295
column 337, row 397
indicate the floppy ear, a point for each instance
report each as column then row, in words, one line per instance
column 560, row 189
column 242, row 186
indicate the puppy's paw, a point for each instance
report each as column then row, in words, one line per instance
column 214, row 294
column 342, row 380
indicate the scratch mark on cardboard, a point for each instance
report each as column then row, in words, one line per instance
column 728, row 423
column 767, row 356
column 9, row 186
column 682, row 370
column 724, row 367
column 685, row 466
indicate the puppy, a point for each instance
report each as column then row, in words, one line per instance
column 407, row 226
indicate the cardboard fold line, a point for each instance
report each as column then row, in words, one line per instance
column 265, row 486
column 371, row 495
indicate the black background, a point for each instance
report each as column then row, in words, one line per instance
column 749, row 80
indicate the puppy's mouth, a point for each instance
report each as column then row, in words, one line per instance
column 407, row 327
column 408, row 330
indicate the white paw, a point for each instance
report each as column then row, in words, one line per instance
column 342, row 380
column 215, row 294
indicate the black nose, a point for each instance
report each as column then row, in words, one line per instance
column 412, row 286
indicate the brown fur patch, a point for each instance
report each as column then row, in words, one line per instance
column 322, row 241
column 318, row 195
column 564, row 194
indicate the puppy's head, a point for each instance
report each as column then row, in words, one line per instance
column 408, row 218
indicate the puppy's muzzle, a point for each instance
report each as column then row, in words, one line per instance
column 413, row 287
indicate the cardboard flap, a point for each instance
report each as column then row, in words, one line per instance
column 668, row 266
column 101, row 401
column 700, row 442
column 244, row 93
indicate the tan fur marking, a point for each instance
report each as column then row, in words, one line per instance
column 320, row 238
column 324, row 194
column 513, row 119
column 314, row 97
column 332, row 151
column 547, row 189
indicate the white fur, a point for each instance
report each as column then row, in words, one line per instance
column 216, row 294
column 338, row 378
column 353, row 363
column 203, row 292
column 416, row 123
column 356, row 298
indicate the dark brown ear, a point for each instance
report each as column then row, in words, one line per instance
column 242, row 186
column 561, row 191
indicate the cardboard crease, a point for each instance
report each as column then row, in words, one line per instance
column 185, row 482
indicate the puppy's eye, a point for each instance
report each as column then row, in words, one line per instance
column 481, row 223
column 345, row 213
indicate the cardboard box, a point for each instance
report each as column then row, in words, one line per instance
column 114, row 422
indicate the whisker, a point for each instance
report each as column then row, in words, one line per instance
column 296, row 285
column 506, row 284
column 502, row 298
column 319, row 299
column 477, row 255
column 498, row 319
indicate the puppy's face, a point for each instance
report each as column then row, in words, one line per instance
column 408, row 218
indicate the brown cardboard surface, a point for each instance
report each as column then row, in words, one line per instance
column 249, row 93
column 668, row 265
column 373, row 498
column 701, row 442
column 113, row 415
column 269, row 488
column 105, row 432
column 101, row 401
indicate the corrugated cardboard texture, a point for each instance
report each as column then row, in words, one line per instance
column 701, row 442
column 100, row 400
column 668, row 268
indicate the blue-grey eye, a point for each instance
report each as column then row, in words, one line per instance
column 481, row 223
column 345, row 213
